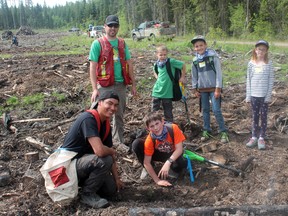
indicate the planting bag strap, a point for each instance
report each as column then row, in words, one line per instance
column 156, row 68
column 98, row 121
column 169, row 71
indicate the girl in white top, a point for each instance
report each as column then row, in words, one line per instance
column 260, row 79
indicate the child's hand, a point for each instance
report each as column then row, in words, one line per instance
column 217, row 94
column 197, row 94
column 163, row 173
column 164, row 183
column 182, row 79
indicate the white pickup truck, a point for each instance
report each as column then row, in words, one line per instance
column 97, row 31
column 152, row 30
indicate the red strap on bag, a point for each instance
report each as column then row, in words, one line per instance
column 97, row 118
column 58, row 176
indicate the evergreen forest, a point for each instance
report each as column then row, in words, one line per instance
column 216, row 18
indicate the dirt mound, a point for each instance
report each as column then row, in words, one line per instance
column 25, row 30
column 7, row 35
column 264, row 182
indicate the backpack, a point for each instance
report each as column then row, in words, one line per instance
column 98, row 121
column 211, row 63
column 177, row 94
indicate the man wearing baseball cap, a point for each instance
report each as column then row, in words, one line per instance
column 90, row 136
column 111, row 68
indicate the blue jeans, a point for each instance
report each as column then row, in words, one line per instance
column 216, row 107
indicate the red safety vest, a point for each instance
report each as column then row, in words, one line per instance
column 105, row 67
column 98, row 120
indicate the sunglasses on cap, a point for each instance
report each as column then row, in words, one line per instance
column 113, row 25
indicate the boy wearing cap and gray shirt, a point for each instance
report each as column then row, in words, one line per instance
column 96, row 159
column 111, row 68
column 207, row 85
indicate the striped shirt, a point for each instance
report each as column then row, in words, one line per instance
column 260, row 80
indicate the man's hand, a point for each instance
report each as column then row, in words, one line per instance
column 119, row 184
column 94, row 95
column 133, row 90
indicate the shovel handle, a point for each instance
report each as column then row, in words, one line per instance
column 224, row 166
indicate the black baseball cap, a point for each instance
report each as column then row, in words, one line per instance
column 103, row 96
column 198, row 38
column 112, row 19
column 108, row 94
column 262, row 42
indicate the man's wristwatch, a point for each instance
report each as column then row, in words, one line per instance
column 170, row 160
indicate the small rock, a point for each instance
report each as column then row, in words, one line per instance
column 4, row 178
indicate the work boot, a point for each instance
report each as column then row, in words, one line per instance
column 252, row 142
column 224, row 137
column 205, row 136
column 94, row 200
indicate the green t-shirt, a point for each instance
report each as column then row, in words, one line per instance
column 163, row 87
column 95, row 53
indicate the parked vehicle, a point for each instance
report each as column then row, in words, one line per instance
column 74, row 29
column 97, row 31
column 153, row 29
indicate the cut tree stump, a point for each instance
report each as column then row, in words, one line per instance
column 209, row 147
column 32, row 179
column 31, row 157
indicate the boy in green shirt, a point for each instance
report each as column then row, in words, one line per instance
column 162, row 92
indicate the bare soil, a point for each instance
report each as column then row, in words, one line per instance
column 263, row 183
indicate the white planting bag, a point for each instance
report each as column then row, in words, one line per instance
column 60, row 175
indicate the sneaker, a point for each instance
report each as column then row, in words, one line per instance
column 261, row 144
column 94, row 200
column 252, row 143
column 205, row 136
column 224, row 137
column 144, row 174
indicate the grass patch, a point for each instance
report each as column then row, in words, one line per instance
column 35, row 101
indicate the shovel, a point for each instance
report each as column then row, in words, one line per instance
column 196, row 157
column 7, row 121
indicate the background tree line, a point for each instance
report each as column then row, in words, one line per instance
column 216, row 18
